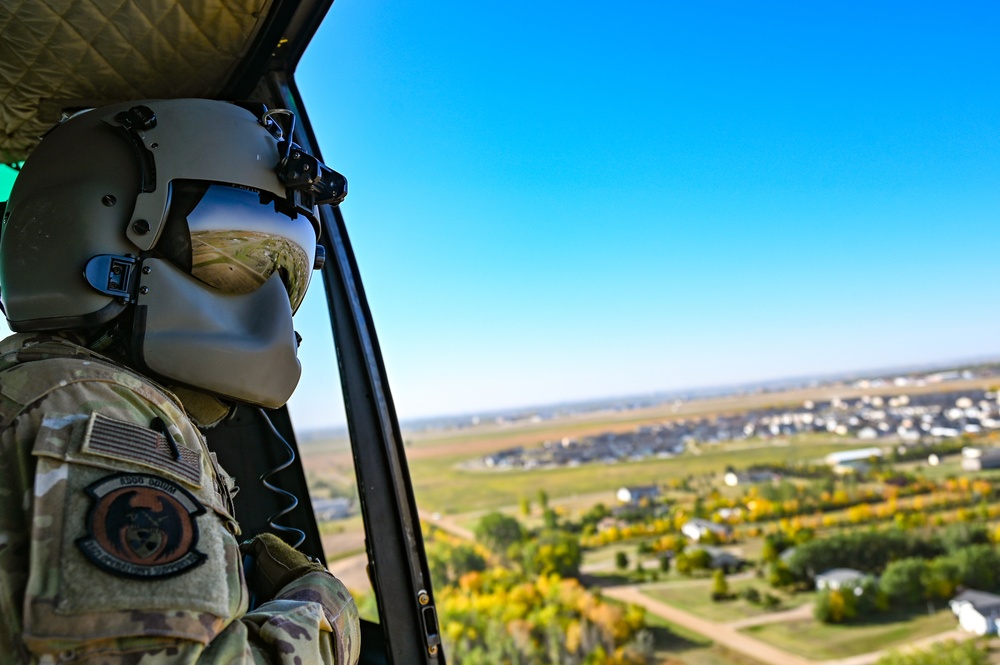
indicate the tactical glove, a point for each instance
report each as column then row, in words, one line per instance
column 270, row 563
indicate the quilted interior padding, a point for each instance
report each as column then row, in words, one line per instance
column 69, row 54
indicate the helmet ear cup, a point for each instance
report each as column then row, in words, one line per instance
column 70, row 202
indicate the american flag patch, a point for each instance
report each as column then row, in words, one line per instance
column 133, row 443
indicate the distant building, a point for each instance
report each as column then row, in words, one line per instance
column 732, row 478
column 637, row 494
column 332, row 509
column 859, row 456
column 977, row 611
column 977, row 459
column 725, row 561
column 697, row 529
column 839, row 578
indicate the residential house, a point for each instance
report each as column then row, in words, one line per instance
column 725, row 561
column 637, row 494
column 839, row 578
column 696, row 529
column 977, row 611
column 977, row 459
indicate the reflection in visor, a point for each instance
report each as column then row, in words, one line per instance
column 237, row 243
column 240, row 261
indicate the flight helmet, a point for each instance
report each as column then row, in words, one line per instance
column 197, row 218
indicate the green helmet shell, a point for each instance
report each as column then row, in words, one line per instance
column 98, row 184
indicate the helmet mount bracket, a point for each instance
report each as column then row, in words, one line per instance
column 113, row 275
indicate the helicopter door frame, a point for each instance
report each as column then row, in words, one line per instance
column 397, row 563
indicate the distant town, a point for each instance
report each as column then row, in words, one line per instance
column 897, row 417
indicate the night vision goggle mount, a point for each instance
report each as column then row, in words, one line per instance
column 310, row 181
column 303, row 174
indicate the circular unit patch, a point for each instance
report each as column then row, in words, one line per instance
column 142, row 527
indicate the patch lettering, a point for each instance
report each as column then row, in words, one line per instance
column 142, row 527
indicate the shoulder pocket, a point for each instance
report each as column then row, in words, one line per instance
column 121, row 547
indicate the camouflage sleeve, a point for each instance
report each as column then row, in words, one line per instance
column 115, row 547
column 315, row 602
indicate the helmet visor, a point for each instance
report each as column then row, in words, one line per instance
column 238, row 241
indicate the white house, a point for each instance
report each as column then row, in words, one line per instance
column 697, row 529
column 636, row 494
column 977, row 611
column 851, row 457
column 839, row 578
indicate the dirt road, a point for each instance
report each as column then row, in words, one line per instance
column 729, row 636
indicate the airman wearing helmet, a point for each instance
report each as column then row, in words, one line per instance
column 151, row 257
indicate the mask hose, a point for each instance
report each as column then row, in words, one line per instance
column 298, row 535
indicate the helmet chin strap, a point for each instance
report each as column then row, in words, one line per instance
column 237, row 346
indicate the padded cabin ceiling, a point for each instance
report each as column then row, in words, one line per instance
column 60, row 55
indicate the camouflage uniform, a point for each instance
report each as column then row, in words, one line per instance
column 117, row 541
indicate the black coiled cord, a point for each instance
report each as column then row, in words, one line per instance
column 284, row 531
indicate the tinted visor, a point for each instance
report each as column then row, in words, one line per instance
column 238, row 239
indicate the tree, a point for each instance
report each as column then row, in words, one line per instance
column 978, row 567
column 835, row 605
column 448, row 563
column 621, row 560
column 682, row 562
column 720, row 587
column 903, row 581
column 770, row 601
column 940, row 578
column 779, row 576
column 700, row 559
column 962, row 534
column 525, row 505
column 550, row 519
column 553, row 552
column 543, row 499
column 497, row 532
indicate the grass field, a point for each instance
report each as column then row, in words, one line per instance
column 675, row 645
column 440, row 486
column 696, row 599
column 821, row 642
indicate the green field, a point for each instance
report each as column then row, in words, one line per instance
column 825, row 641
column 441, row 486
column 696, row 599
column 675, row 645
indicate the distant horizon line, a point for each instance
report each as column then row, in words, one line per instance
column 693, row 392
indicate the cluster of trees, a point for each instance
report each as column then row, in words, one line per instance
column 913, row 580
column 872, row 551
column 850, row 602
column 916, row 512
column 767, row 599
column 867, row 551
column 940, row 448
column 827, row 502
column 502, row 616
column 504, row 600
column 692, row 561
column 548, row 551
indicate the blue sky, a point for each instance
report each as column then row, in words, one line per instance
column 565, row 200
